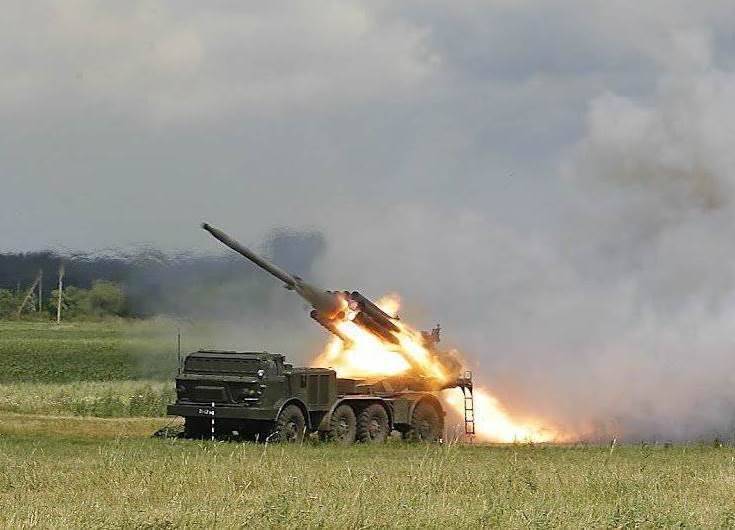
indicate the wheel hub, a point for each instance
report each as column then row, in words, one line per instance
column 374, row 428
column 291, row 431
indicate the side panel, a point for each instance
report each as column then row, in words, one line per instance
column 316, row 387
column 203, row 410
column 402, row 409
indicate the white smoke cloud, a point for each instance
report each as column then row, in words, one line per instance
column 620, row 323
column 648, row 335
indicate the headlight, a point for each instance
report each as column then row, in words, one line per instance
column 261, row 373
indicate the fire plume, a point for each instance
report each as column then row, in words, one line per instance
column 493, row 423
column 365, row 355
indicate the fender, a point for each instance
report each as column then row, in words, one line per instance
column 429, row 398
column 301, row 405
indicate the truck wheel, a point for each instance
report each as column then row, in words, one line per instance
column 372, row 424
column 290, row 425
column 427, row 424
column 343, row 425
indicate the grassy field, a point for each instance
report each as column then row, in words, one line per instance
column 114, row 368
column 76, row 451
column 86, row 472
column 88, row 398
column 43, row 352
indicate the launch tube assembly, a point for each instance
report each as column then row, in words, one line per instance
column 329, row 306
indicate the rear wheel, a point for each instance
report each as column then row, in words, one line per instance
column 290, row 425
column 343, row 425
column 373, row 425
column 427, row 425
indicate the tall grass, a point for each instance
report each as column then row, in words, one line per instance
column 102, row 399
column 144, row 483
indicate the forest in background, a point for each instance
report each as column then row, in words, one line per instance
column 143, row 283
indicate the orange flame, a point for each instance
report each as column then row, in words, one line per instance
column 493, row 423
column 369, row 356
column 366, row 355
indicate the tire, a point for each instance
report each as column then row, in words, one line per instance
column 290, row 425
column 373, row 425
column 343, row 425
column 427, row 424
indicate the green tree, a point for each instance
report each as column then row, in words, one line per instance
column 105, row 298
column 73, row 302
column 8, row 303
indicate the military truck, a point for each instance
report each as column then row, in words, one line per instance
column 259, row 396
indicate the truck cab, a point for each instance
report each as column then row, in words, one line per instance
column 246, row 391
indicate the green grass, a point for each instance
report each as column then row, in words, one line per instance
column 70, row 457
column 113, row 368
column 43, row 352
column 120, row 478
column 101, row 399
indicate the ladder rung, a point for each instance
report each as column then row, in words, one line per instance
column 469, row 410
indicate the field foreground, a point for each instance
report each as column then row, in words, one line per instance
column 60, row 467
column 93, row 472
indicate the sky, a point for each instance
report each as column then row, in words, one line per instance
column 125, row 125
column 552, row 181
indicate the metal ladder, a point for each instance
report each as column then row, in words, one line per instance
column 469, row 408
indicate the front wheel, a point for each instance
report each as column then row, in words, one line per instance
column 373, row 425
column 290, row 425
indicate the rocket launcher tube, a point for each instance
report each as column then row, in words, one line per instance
column 326, row 303
column 364, row 320
column 376, row 314
column 329, row 325
column 276, row 271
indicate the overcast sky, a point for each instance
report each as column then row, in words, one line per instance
column 553, row 181
column 127, row 123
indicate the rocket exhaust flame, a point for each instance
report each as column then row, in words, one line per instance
column 493, row 423
column 364, row 355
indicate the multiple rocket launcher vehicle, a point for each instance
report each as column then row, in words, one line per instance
column 259, row 394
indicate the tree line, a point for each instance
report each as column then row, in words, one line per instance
column 102, row 299
column 151, row 282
